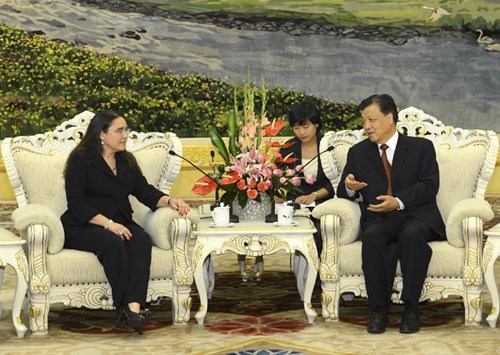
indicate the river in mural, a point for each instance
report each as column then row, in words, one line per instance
column 452, row 78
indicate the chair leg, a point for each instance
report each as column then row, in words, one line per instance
column 473, row 304
column 330, row 298
column 39, row 308
column 181, row 304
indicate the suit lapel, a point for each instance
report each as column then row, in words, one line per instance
column 121, row 165
column 374, row 158
column 100, row 164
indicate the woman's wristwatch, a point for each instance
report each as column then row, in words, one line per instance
column 315, row 193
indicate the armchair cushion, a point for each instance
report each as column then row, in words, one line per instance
column 63, row 269
column 446, row 261
column 459, row 170
column 31, row 214
column 42, row 179
column 149, row 160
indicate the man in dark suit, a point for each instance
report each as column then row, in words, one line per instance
column 399, row 214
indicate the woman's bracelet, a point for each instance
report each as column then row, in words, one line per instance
column 110, row 222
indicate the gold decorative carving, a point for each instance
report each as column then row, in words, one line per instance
column 255, row 244
column 34, row 312
column 197, row 255
column 477, row 302
column 329, row 272
column 22, row 264
column 487, row 254
column 473, row 276
column 40, row 284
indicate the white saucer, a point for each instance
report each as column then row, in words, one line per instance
column 213, row 225
column 278, row 224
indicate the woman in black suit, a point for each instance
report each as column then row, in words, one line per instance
column 306, row 123
column 100, row 175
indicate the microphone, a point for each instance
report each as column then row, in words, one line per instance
column 233, row 219
column 272, row 217
column 171, row 152
column 329, row 149
column 212, row 155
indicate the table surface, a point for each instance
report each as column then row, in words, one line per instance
column 301, row 224
column 495, row 230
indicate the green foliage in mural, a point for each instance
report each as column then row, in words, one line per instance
column 45, row 82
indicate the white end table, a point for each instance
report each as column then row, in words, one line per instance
column 11, row 253
column 255, row 238
column 490, row 254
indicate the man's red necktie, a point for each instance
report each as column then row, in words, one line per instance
column 387, row 168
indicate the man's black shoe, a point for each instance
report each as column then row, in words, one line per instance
column 410, row 322
column 378, row 322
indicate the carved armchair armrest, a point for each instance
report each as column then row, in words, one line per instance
column 463, row 216
column 347, row 212
column 41, row 227
column 35, row 216
column 166, row 223
column 339, row 225
column 168, row 230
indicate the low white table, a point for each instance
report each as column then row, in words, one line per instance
column 490, row 254
column 11, row 253
column 255, row 238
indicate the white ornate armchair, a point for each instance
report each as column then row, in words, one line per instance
column 466, row 161
column 75, row 278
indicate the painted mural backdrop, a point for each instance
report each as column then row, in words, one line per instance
column 440, row 56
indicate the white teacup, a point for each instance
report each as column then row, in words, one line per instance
column 221, row 216
column 285, row 214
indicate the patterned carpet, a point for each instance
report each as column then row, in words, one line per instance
column 257, row 304
column 264, row 317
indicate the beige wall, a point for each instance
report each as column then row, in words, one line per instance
column 198, row 151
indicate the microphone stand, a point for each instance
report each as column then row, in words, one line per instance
column 272, row 217
column 216, row 204
column 232, row 218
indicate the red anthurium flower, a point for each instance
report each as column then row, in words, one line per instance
column 274, row 128
column 276, row 144
column 204, row 186
column 286, row 160
column 230, row 178
column 272, row 144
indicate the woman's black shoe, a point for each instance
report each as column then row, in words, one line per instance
column 134, row 320
column 146, row 313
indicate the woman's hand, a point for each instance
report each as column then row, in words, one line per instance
column 120, row 230
column 179, row 205
column 306, row 199
column 278, row 199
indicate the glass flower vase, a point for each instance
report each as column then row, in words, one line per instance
column 253, row 209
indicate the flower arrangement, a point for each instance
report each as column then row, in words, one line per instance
column 252, row 161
